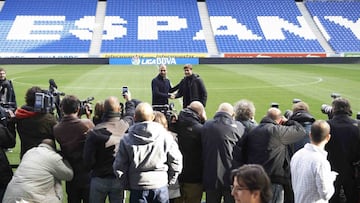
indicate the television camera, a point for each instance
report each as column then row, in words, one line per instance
column 168, row 110
column 327, row 109
column 288, row 113
column 6, row 112
column 49, row 100
column 84, row 105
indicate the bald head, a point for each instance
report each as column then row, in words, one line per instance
column 274, row 114
column 197, row 106
column 144, row 112
column 320, row 131
column 227, row 108
column 162, row 70
column 111, row 104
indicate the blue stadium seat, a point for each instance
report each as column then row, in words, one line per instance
column 260, row 26
column 339, row 22
column 153, row 26
column 43, row 26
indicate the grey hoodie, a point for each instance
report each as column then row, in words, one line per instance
column 148, row 157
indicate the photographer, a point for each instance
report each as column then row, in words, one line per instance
column 100, row 148
column 33, row 126
column 8, row 99
column 266, row 144
column 7, row 93
column 71, row 134
column 7, row 140
column 343, row 150
column 301, row 114
column 130, row 105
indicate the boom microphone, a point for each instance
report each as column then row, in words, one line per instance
column 53, row 88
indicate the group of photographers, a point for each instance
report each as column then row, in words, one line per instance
column 211, row 151
column 122, row 142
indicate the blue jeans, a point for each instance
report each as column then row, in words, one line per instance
column 278, row 193
column 100, row 188
column 159, row 195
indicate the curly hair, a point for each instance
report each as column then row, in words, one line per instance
column 244, row 110
column 30, row 95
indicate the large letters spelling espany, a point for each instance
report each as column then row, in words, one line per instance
column 115, row 27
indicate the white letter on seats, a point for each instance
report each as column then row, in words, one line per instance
column 227, row 25
column 86, row 28
column 30, row 28
column 148, row 26
column 274, row 26
column 353, row 26
column 114, row 28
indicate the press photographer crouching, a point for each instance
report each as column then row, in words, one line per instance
column 33, row 126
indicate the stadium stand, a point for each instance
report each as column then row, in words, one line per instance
column 160, row 26
column 42, row 26
column 89, row 28
column 339, row 23
column 260, row 26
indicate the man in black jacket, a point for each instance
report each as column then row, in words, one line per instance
column 160, row 87
column 219, row 136
column 188, row 129
column 8, row 99
column 33, row 126
column 191, row 88
column 7, row 140
column 267, row 144
column 343, row 150
column 100, row 149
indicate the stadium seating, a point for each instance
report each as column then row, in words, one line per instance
column 260, row 26
column 43, row 26
column 171, row 26
column 160, row 26
column 340, row 23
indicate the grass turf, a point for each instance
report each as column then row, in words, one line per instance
column 263, row 84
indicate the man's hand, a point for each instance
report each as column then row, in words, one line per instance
column 172, row 96
column 88, row 110
column 127, row 96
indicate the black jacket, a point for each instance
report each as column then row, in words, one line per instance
column 160, row 90
column 191, row 88
column 7, row 140
column 101, row 145
column 267, row 144
column 343, row 150
column 219, row 136
column 306, row 120
column 188, row 129
column 33, row 127
column 7, row 95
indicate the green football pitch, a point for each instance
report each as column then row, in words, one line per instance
column 260, row 83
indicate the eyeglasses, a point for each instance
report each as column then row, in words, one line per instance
column 238, row 188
